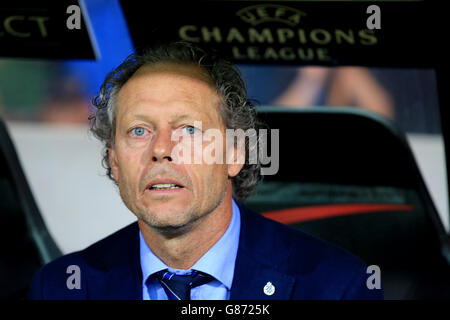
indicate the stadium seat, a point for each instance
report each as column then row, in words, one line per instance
column 349, row 177
column 25, row 243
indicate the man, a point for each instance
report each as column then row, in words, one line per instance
column 193, row 238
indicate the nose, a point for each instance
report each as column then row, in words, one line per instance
column 162, row 146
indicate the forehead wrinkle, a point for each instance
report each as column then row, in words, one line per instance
column 146, row 93
column 189, row 109
column 171, row 119
column 194, row 73
column 190, row 70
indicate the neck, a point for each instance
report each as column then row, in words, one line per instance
column 184, row 249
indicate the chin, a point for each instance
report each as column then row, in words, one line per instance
column 169, row 208
column 164, row 215
column 169, row 225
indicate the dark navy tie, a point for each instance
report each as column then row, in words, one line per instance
column 178, row 287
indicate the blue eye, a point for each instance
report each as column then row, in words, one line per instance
column 139, row 131
column 190, row 129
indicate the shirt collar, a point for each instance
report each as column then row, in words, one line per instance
column 218, row 261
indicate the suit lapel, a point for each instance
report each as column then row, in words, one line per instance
column 256, row 275
column 255, row 281
column 117, row 273
column 116, row 284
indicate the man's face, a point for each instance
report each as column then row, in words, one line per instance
column 156, row 103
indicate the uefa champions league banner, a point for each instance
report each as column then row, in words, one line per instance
column 290, row 32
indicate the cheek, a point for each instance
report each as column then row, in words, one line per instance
column 203, row 177
column 129, row 163
column 214, row 177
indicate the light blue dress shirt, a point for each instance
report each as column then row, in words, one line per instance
column 218, row 262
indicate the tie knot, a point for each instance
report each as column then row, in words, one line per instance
column 178, row 287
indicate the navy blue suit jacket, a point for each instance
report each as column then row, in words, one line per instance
column 298, row 265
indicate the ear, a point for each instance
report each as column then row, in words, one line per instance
column 236, row 158
column 113, row 163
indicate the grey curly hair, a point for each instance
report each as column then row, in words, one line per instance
column 237, row 111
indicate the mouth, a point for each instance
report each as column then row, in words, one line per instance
column 164, row 186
